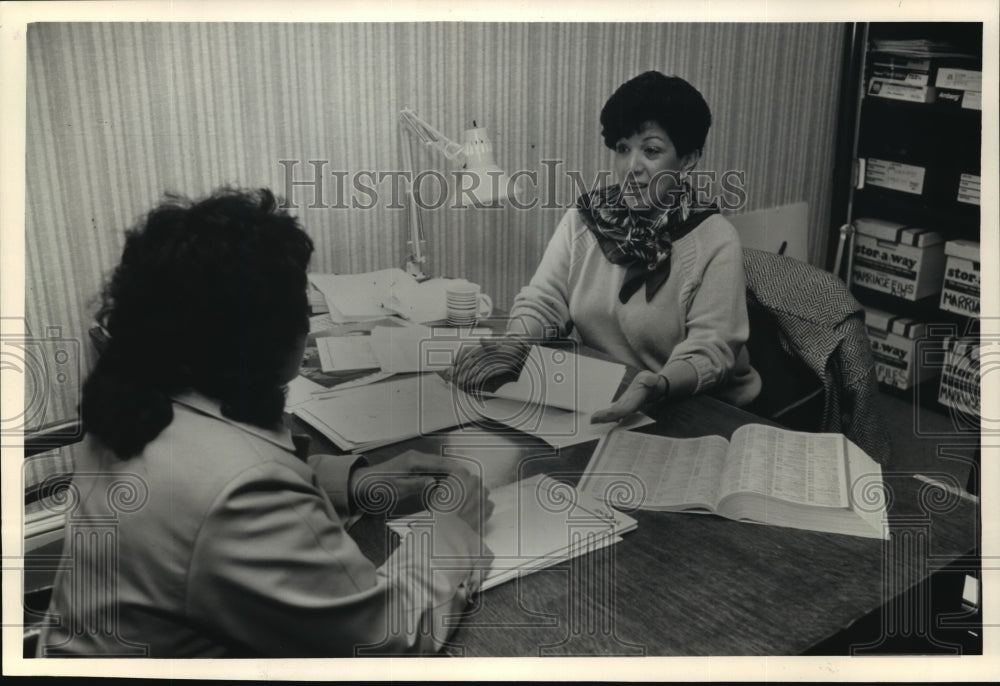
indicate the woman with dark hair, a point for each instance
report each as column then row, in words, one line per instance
column 232, row 543
column 642, row 270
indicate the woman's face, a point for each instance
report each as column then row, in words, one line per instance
column 648, row 167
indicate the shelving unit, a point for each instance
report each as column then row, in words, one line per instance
column 914, row 163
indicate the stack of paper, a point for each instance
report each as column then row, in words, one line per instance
column 552, row 399
column 425, row 302
column 360, row 297
column 537, row 523
column 397, row 349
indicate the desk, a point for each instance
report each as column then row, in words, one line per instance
column 684, row 584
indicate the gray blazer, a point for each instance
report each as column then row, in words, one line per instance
column 218, row 541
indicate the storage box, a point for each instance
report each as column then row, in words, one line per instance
column 960, row 289
column 960, row 377
column 969, row 186
column 902, row 261
column 894, row 347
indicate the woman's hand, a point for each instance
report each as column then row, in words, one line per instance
column 645, row 387
column 411, row 479
column 491, row 364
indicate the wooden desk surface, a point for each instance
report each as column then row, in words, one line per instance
column 684, row 584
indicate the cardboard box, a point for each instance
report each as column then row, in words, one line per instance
column 894, row 90
column 902, row 261
column 960, row 377
column 894, row 347
column 960, row 289
column 959, row 79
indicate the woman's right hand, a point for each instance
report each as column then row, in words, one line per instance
column 462, row 494
column 492, row 363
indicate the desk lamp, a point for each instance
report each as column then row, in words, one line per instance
column 490, row 184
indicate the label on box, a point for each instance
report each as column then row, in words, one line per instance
column 960, row 293
column 894, row 175
column 907, row 76
column 896, row 90
column 960, row 378
column 884, row 59
column 895, row 360
column 968, row 188
column 960, row 79
column 902, row 271
column 973, row 100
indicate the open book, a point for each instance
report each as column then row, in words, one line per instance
column 820, row 482
column 536, row 523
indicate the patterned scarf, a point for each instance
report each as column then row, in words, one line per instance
column 642, row 240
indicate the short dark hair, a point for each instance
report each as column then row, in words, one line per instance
column 209, row 296
column 670, row 101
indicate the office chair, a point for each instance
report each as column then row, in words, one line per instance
column 808, row 336
column 46, row 475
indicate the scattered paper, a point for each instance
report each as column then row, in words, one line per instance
column 421, row 348
column 341, row 388
column 384, row 413
column 300, row 390
column 424, row 303
column 362, row 295
column 536, row 523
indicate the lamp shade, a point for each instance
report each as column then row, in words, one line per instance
column 482, row 177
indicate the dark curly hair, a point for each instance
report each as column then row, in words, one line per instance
column 209, row 296
column 670, row 101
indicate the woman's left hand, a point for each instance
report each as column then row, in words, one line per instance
column 645, row 387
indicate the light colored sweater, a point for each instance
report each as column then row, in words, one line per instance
column 697, row 319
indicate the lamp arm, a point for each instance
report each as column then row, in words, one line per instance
column 428, row 135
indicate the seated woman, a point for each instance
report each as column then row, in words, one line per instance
column 232, row 544
column 641, row 270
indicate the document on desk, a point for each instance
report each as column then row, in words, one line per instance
column 361, row 295
column 558, row 428
column 419, row 348
column 820, row 482
column 536, row 523
column 384, row 413
column 346, row 353
column 562, row 379
column 425, row 302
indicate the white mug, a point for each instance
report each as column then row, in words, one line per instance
column 465, row 303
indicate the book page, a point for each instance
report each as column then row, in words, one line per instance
column 795, row 466
column 667, row 472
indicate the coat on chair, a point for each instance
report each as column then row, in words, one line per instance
column 822, row 324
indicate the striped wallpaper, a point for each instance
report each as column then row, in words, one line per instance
column 119, row 113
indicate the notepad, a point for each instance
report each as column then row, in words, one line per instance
column 536, row 523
